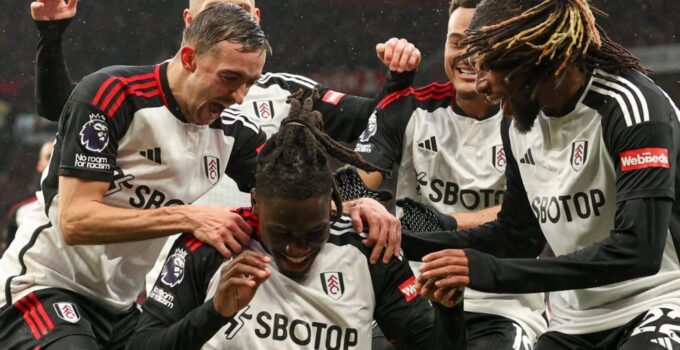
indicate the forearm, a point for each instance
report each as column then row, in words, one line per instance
column 633, row 249
column 99, row 223
column 497, row 238
column 191, row 332
column 52, row 81
column 468, row 220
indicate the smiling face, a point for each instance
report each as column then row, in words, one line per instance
column 514, row 95
column 461, row 74
column 294, row 231
column 218, row 79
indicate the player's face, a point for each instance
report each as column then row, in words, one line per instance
column 294, row 231
column 461, row 74
column 513, row 95
column 219, row 79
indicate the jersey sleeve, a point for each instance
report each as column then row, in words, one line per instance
column 249, row 138
column 52, row 81
column 408, row 320
column 176, row 314
column 382, row 141
column 633, row 249
column 346, row 116
column 642, row 152
column 89, row 137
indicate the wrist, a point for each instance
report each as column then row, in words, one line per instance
column 178, row 216
column 221, row 310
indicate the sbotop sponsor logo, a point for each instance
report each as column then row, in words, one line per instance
column 644, row 158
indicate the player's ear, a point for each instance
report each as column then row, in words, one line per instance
column 253, row 202
column 188, row 57
column 256, row 16
column 187, row 17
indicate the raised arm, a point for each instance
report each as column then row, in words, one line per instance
column 52, row 81
column 345, row 116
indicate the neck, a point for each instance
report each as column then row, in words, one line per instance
column 176, row 80
column 554, row 98
column 475, row 106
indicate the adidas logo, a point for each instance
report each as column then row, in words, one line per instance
column 664, row 342
column 528, row 158
column 153, row 155
column 429, row 144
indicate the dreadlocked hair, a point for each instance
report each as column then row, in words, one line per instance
column 295, row 164
column 541, row 38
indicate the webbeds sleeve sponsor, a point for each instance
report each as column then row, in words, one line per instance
column 408, row 288
column 641, row 158
column 332, row 97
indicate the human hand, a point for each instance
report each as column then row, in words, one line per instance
column 420, row 217
column 398, row 54
column 384, row 229
column 448, row 296
column 351, row 186
column 443, row 273
column 53, row 10
column 239, row 281
column 220, row 227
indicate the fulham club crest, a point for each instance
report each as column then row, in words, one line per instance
column 498, row 158
column 333, row 284
column 579, row 154
column 264, row 109
column 67, row 312
column 211, row 167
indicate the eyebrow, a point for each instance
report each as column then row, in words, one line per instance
column 227, row 71
column 455, row 35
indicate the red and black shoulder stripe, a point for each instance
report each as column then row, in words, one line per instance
column 436, row 93
column 114, row 85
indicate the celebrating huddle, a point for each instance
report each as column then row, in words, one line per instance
column 535, row 190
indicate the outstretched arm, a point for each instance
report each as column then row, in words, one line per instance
column 633, row 249
column 52, row 81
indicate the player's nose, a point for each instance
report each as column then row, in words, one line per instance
column 239, row 94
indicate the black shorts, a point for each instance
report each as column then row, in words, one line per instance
column 487, row 331
column 57, row 317
column 655, row 329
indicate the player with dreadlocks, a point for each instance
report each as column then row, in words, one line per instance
column 303, row 282
column 446, row 140
column 592, row 155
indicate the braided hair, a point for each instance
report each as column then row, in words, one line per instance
column 295, row 164
column 538, row 39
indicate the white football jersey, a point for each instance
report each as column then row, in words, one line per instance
column 451, row 162
column 123, row 125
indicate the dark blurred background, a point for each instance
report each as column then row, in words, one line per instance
column 332, row 41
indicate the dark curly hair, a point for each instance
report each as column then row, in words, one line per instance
column 295, row 164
